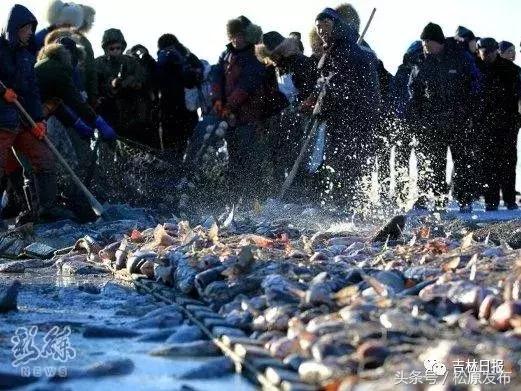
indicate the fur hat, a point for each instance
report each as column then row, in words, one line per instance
column 167, row 40
column 288, row 47
column 89, row 15
column 60, row 13
column 242, row 25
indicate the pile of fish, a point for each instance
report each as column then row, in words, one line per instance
column 338, row 308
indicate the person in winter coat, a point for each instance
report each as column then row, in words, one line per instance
column 17, row 74
column 238, row 75
column 177, row 69
column 150, row 92
column 55, row 74
column 237, row 96
column 297, row 77
column 350, row 16
column 121, row 80
column 507, row 50
column 78, row 19
column 443, row 89
column 286, row 56
column 467, row 40
column 149, row 65
column 350, row 107
column 499, row 118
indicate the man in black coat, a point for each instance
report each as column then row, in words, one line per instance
column 177, row 69
column 499, row 121
column 350, row 107
column 442, row 90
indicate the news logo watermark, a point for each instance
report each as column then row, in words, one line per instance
column 464, row 372
column 54, row 346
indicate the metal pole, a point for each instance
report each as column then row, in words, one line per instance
column 361, row 39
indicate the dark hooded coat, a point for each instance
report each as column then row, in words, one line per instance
column 352, row 99
column 54, row 73
column 88, row 75
column 17, row 70
column 124, row 107
column 350, row 110
column 500, row 94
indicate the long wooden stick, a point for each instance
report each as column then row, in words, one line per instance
column 94, row 203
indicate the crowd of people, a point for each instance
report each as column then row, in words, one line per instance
column 461, row 92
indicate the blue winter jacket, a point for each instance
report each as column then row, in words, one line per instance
column 17, row 70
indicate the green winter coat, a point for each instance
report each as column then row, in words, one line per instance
column 88, row 68
column 54, row 76
column 126, row 104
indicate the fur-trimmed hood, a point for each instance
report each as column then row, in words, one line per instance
column 348, row 14
column 317, row 46
column 71, row 33
column 56, row 52
column 54, row 36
